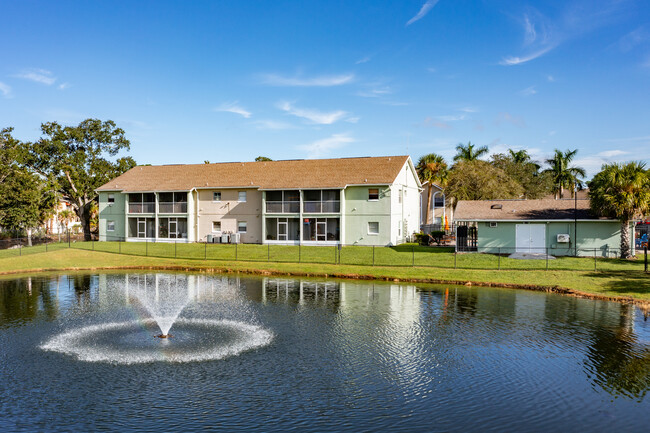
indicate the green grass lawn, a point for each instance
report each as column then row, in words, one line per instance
column 406, row 255
column 615, row 278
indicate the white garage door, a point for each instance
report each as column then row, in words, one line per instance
column 531, row 238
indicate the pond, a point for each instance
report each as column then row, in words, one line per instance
column 78, row 352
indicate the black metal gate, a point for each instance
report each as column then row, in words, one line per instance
column 466, row 238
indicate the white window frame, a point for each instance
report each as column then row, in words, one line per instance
column 108, row 226
column 214, row 194
column 216, row 222
column 110, row 199
column 239, row 223
column 371, row 232
column 373, row 189
column 399, row 196
column 239, row 196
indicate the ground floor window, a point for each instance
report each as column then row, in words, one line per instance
column 172, row 228
column 142, row 227
column 216, row 226
column 241, row 227
column 373, row 228
column 110, row 226
column 321, row 229
column 283, row 229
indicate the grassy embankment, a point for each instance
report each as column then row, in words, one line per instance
column 614, row 278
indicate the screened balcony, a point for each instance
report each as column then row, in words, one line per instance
column 142, row 203
column 172, row 202
column 283, row 201
column 322, row 201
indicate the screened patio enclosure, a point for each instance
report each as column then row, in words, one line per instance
column 283, row 229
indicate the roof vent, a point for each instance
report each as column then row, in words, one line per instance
column 496, row 206
column 365, row 180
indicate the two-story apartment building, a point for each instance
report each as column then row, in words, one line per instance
column 359, row 201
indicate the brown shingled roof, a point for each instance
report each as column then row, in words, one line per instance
column 544, row 209
column 292, row 174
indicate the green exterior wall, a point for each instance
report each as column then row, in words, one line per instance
column 359, row 211
column 603, row 236
column 112, row 212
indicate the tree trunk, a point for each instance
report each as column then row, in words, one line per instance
column 84, row 217
column 561, row 191
column 625, row 239
column 429, row 198
column 29, row 237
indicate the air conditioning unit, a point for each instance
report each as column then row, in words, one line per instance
column 234, row 238
column 563, row 238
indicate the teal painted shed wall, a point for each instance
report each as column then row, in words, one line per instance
column 603, row 236
column 359, row 211
column 112, row 212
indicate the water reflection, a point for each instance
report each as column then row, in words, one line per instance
column 417, row 335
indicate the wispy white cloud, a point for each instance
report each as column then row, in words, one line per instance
column 612, row 153
column 63, row 86
column 5, row 89
column 320, row 148
column 362, row 60
column 452, row 117
column 313, row 116
column 320, row 81
column 426, row 7
column 233, row 107
column 576, row 18
column 375, row 93
column 273, row 125
column 515, row 60
column 468, row 109
column 506, row 117
column 634, row 38
column 432, row 70
column 432, row 121
column 38, row 76
column 528, row 91
column 550, row 78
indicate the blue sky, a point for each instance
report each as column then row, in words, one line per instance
column 228, row 81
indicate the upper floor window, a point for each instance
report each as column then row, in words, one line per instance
column 373, row 194
column 111, row 198
column 216, row 196
column 242, row 196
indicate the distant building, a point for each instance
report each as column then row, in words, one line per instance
column 558, row 227
column 358, row 201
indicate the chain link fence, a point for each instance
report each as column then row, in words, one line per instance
column 404, row 255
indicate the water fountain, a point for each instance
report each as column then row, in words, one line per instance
column 156, row 304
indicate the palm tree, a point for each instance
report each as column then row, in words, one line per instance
column 469, row 152
column 563, row 175
column 621, row 191
column 519, row 157
column 432, row 168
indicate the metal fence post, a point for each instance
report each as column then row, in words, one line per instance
column 45, row 246
column 299, row 253
column 412, row 255
column 595, row 266
column 235, row 252
column 373, row 255
column 499, row 261
column 20, row 249
column 645, row 261
column 68, row 238
column 205, row 251
column 119, row 247
column 174, row 249
column 455, row 254
column 146, row 247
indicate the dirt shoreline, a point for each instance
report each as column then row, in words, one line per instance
column 644, row 305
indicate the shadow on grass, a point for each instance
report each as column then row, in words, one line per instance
column 625, row 282
column 408, row 248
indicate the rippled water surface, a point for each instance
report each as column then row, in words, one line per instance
column 78, row 352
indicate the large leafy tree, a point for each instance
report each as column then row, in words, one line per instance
column 480, row 180
column 621, row 191
column 521, row 168
column 469, row 152
column 78, row 160
column 432, row 168
column 563, row 175
column 26, row 199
